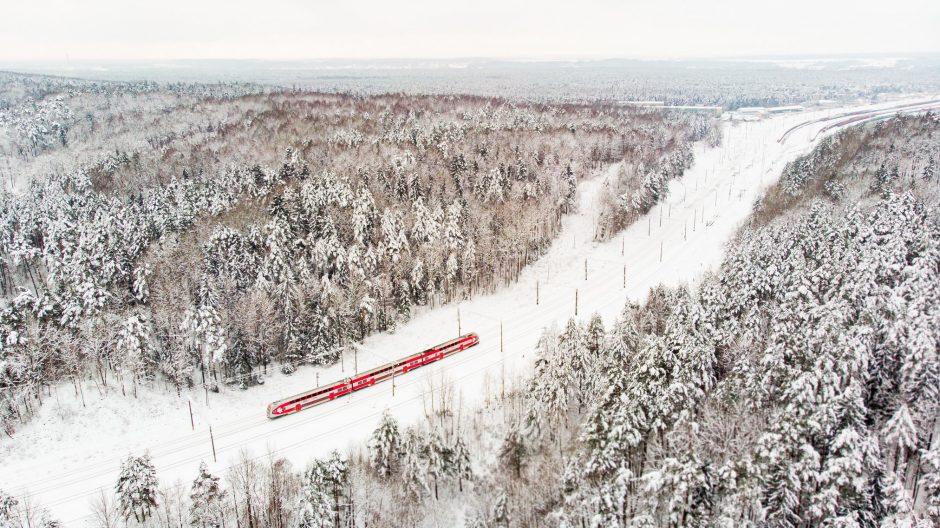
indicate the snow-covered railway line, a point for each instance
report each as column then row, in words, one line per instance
column 857, row 116
column 741, row 163
column 561, row 299
column 559, row 302
column 555, row 298
column 533, row 324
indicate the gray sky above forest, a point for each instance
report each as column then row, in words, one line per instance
column 309, row 29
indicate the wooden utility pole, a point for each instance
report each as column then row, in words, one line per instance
column 624, row 275
column 500, row 337
column 622, row 244
column 192, row 422
column 212, row 440
column 536, row 293
column 575, row 302
column 585, row 269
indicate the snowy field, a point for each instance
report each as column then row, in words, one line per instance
column 71, row 451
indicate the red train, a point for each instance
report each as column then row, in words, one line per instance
column 330, row 392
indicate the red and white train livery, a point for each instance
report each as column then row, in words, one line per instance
column 330, row 392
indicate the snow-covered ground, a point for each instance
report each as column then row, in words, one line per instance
column 70, row 451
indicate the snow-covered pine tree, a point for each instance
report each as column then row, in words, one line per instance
column 315, row 508
column 385, row 446
column 420, row 285
column 571, row 187
column 364, row 216
column 141, row 290
column 336, row 469
column 203, row 336
column 512, row 452
column 461, row 467
column 425, row 228
column 136, row 488
column 547, row 396
column 439, row 459
column 394, row 238
column 9, row 517
column 574, row 362
column 622, row 342
column 901, row 435
column 594, row 335
column 205, row 499
column 276, row 270
column 930, row 170
column 136, row 345
column 929, row 490
column 414, row 467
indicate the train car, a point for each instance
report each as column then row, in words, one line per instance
column 331, row 391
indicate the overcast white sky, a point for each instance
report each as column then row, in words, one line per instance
column 306, row 29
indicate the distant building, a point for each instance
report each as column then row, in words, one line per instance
column 756, row 113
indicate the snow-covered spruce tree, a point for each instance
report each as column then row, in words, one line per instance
column 337, row 477
column 500, row 511
column 316, row 502
column 512, row 452
column 135, row 342
column 622, row 341
column 203, row 336
column 414, row 464
column 575, row 362
column 602, row 482
column 205, row 509
column 385, row 446
column 439, row 459
column 901, row 436
column 136, row 488
column 594, row 334
column 13, row 514
column 324, row 492
column 461, row 466
column 364, row 216
column 546, row 402
column 9, row 516
column 140, row 288
column 931, row 484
